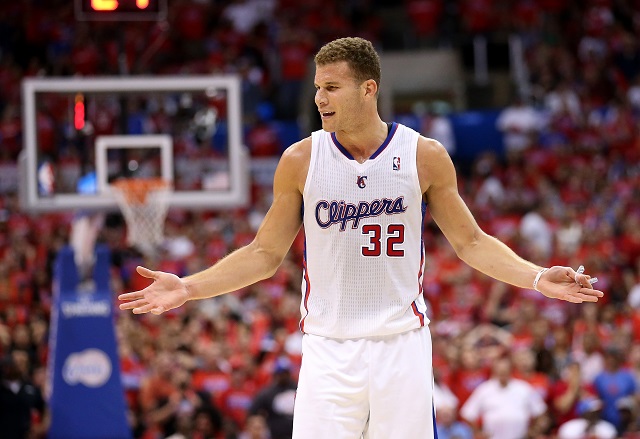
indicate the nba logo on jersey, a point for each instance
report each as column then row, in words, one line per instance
column 396, row 163
column 361, row 181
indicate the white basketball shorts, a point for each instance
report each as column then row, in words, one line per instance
column 371, row 388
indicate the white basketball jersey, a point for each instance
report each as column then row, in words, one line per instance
column 364, row 257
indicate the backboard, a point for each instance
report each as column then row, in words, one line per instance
column 81, row 133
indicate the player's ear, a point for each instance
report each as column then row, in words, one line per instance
column 370, row 88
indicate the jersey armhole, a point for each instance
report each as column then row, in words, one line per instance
column 315, row 140
column 414, row 168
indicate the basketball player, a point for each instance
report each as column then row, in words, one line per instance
column 362, row 186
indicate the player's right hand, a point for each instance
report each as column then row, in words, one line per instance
column 166, row 292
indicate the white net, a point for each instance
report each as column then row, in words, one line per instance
column 144, row 204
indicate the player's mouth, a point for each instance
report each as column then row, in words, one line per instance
column 326, row 114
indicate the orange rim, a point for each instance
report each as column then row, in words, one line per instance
column 135, row 190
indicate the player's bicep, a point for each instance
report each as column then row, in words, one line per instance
column 280, row 225
column 453, row 217
column 447, row 208
column 283, row 220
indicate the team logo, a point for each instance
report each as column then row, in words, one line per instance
column 396, row 163
column 361, row 181
column 91, row 367
column 333, row 212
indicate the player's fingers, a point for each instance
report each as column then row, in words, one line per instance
column 591, row 292
column 583, row 280
column 131, row 296
column 158, row 310
column 574, row 275
column 586, row 295
column 133, row 304
column 586, row 298
column 145, row 272
column 571, row 298
column 144, row 309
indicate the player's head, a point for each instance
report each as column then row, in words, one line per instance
column 347, row 79
column 358, row 53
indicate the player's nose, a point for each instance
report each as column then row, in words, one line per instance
column 321, row 98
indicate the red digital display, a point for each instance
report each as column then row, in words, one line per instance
column 78, row 112
column 120, row 10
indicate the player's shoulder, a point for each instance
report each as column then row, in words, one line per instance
column 432, row 155
column 294, row 162
column 431, row 147
column 298, row 152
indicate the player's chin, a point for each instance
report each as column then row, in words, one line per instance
column 328, row 125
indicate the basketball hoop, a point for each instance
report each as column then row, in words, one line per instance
column 144, row 203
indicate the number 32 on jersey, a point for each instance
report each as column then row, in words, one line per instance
column 390, row 238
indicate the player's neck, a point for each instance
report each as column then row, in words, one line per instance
column 363, row 141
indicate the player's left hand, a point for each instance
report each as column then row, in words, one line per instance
column 565, row 283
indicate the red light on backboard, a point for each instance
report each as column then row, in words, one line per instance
column 105, row 5
column 142, row 4
column 78, row 112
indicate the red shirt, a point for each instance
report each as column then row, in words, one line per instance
column 213, row 382
column 424, row 15
column 235, row 401
column 464, row 382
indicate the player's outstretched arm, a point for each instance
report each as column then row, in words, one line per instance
column 247, row 265
column 481, row 251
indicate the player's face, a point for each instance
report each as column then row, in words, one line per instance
column 339, row 96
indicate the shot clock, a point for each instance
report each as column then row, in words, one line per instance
column 120, row 10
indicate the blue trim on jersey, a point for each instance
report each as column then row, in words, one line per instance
column 392, row 132
column 347, row 154
column 341, row 148
column 433, row 413
column 307, row 292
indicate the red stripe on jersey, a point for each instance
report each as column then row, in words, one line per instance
column 420, row 289
column 306, row 292
column 417, row 313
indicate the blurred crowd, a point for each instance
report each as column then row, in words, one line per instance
column 565, row 192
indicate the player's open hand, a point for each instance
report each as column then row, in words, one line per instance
column 565, row 283
column 166, row 292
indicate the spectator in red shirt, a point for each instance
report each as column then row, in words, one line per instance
column 425, row 16
column 210, row 377
column 263, row 140
column 479, row 16
column 234, row 402
column 524, row 368
column 295, row 46
column 566, row 393
column 469, row 376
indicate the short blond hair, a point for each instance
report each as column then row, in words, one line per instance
column 359, row 54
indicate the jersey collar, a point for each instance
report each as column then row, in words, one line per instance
column 347, row 154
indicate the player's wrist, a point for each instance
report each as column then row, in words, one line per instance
column 188, row 290
column 538, row 277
